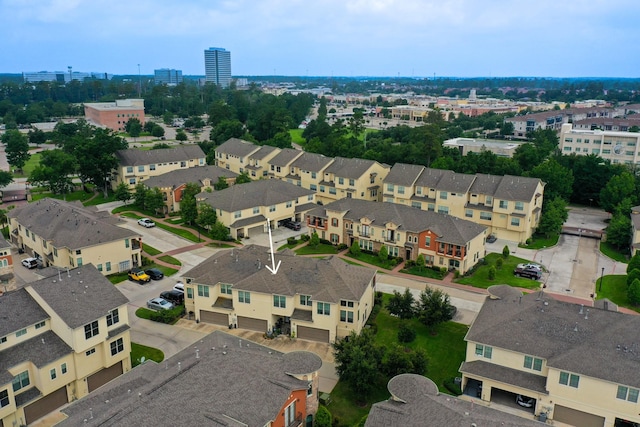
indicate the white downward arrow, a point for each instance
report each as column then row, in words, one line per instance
column 274, row 268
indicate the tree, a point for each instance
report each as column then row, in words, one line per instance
column 157, row 131
column 420, row 262
column 491, row 274
column 6, row 178
column 122, row 193
column 355, row 248
column 219, row 232
column 357, row 361
column 314, row 241
column 434, row 307
column 188, row 204
column 323, row 417
column 140, row 195
column 559, row 179
column 617, row 189
column 633, row 275
column 396, row 361
column 54, row 171
column 383, row 254
column 243, row 178
column 633, row 292
column 181, row 135
column 153, row 200
column 619, row 231
column 16, row 148
column 206, row 216
column 505, row 252
column 37, row 137
column 133, row 127
column 634, row 262
column 221, row 184
column 554, row 214
column 402, row 305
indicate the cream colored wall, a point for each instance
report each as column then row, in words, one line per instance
column 160, row 168
column 12, row 339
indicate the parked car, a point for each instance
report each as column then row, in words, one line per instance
column 137, row 275
column 530, row 271
column 179, row 287
column 491, row 238
column 525, row 401
column 173, row 296
column 30, row 263
column 159, row 304
column 293, row 225
column 146, row 222
column 154, row 273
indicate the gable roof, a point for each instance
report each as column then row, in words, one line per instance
column 219, row 381
column 69, row 224
column 285, row 156
column 237, row 147
column 448, row 228
column 263, row 152
column 264, row 192
column 78, row 296
column 404, row 174
column 311, row 162
column 134, row 157
column 19, row 310
column 328, row 280
column 350, row 168
column 585, row 340
column 195, row 175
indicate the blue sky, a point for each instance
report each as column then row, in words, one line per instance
column 557, row 38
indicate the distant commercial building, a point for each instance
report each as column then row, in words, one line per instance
column 114, row 115
column 167, row 76
column 62, row 76
column 616, row 146
column 217, row 66
column 500, row 148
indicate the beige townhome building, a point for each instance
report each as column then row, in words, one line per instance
column 307, row 298
column 406, row 232
column 245, row 208
column 172, row 184
column 138, row 165
column 60, row 338
column 578, row 364
column 352, row 178
column 509, row 206
column 68, row 235
column 635, row 230
column 240, row 156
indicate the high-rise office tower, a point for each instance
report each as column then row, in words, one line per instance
column 217, row 66
column 167, row 76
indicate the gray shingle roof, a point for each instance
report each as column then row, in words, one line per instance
column 19, row 310
column 311, row 162
column 229, row 384
column 195, row 175
column 263, row 152
column 68, row 224
column 597, row 343
column 417, row 403
column 285, row 156
column 328, row 280
column 349, row 168
column 449, row 229
column 264, row 192
column 4, row 243
column 237, row 147
column 134, row 157
column 404, row 174
column 82, row 296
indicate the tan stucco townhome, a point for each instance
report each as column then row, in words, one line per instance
column 61, row 337
column 307, row 298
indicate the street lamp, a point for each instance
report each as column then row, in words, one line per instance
column 601, row 279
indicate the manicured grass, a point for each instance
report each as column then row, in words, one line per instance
column 128, row 214
column 614, row 253
column 144, row 313
column 167, row 271
column 170, row 260
column 179, row 232
column 614, row 287
column 372, row 259
column 81, row 195
column 220, row 245
column 116, row 278
column 320, row 249
column 99, row 199
column 504, row 275
column 175, row 221
column 31, row 164
column 424, row 272
column 288, row 246
column 150, row 250
column 296, row 136
column 539, row 241
column 149, row 353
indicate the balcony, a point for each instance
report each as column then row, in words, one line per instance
column 296, row 422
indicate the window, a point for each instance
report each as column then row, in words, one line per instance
column 443, row 195
column 113, row 317
column 141, row 168
column 427, row 241
column 203, row 291
column 237, row 214
column 40, row 325
column 117, row 346
column 313, row 187
column 21, row 332
column 485, row 216
column 519, row 206
column 400, row 189
column 183, row 164
column 305, row 300
column 484, row 351
column 132, row 181
column 431, row 207
column 256, row 210
column 332, row 190
column 225, row 288
column 91, row 329
column 3, row 340
column 152, row 167
column 280, row 301
column 310, row 389
column 344, row 303
column 352, row 182
column 534, row 363
column 89, row 352
column 272, row 208
column 341, row 181
column 390, row 187
column 313, row 175
column 190, row 293
column 488, row 201
column 627, row 393
column 504, row 204
column 63, row 368
column 79, row 262
column 468, row 213
column 324, row 308
column 515, row 222
column 322, row 188
column 244, row 297
column 126, row 243
column 4, row 398
column 108, row 266
column 52, row 374
column 443, row 209
column 571, row 380
column 346, row 316
column 416, row 205
column 129, row 169
column 21, row 381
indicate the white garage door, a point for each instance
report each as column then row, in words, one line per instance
column 313, row 334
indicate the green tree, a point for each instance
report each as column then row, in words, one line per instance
column 153, row 200
column 505, row 252
column 243, row 178
column 226, row 130
column 559, row 179
column 206, row 216
column 383, row 254
column 633, row 275
column 219, row 232
column 188, row 204
column 420, row 262
column 122, row 193
column 434, row 307
column 181, row 135
column 402, row 305
column 37, row 137
column 54, row 171
column 6, row 178
column 396, row 361
column 140, row 195
column 16, row 148
column 633, row 292
column 619, row 231
column 634, row 262
column 357, row 361
column 314, row 241
column 491, row 274
column 133, row 127
column 157, row 131
column 323, row 417
column 554, row 214
column 617, row 189
column 355, row 248
column 221, row 184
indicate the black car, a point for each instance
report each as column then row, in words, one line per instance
column 530, row 271
column 173, row 296
column 154, row 273
column 293, row 225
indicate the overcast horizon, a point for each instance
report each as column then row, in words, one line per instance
column 350, row 38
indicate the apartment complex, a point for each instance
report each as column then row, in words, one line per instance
column 61, row 338
column 68, row 235
column 406, row 232
column 509, row 206
column 616, row 146
column 245, row 208
column 554, row 119
column 635, row 230
column 167, row 76
column 172, row 184
column 114, row 115
column 579, row 364
column 307, row 298
column 220, row 381
column 217, row 66
column 139, row 165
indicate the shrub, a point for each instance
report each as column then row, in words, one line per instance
column 291, row 241
column 505, row 252
column 323, row 417
column 305, row 237
column 146, row 261
column 342, row 246
column 492, row 273
column 633, row 275
column 633, row 292
column 325, row 242
column 377, row 299
column 499, row 263
column 167, row 316
column 450, row 384
column 405, row 333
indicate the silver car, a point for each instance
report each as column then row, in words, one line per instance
column 159, row 304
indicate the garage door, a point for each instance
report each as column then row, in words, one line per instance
column 313, row 334
column 215, row 318
column 576, row 418
column 102, row 377
column 255, row 231
column 252, row 324
column 45, row 405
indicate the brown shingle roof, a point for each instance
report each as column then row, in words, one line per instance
column 134, row 157
column 237, row 147
column 195, row 175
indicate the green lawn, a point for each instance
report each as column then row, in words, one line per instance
column 296, row 136
column 144, row 313
column 372, row 259
column 179, row 232
column 81, row 195
column 116, row 278
column 99, row 199
column 170, row 260
column 614, row 253
column 320, row 249
column 31, row 164
column 424, row 272
column 538, row 241
column 504, row 275
column 149, row 353
column 614, row 287
column 150, row 250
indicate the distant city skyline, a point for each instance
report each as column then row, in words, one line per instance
column 385, row 38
